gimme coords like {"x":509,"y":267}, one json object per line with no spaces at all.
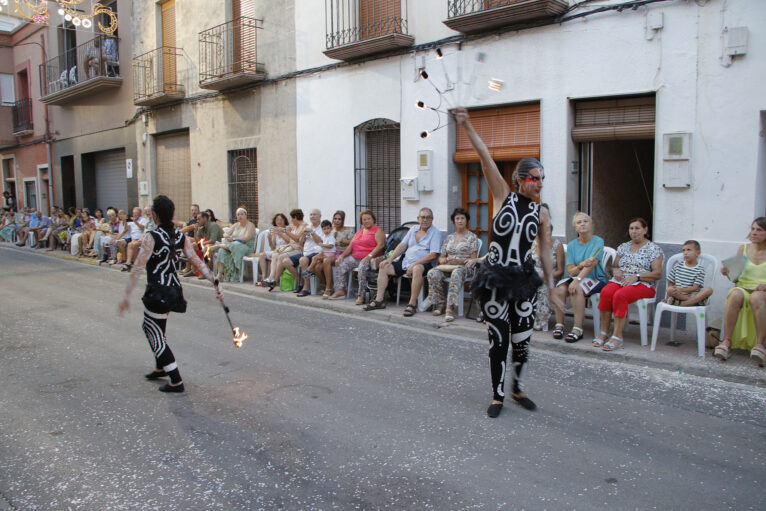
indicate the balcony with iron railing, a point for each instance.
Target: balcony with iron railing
{"x":22,"y":117}
{"x":357,"y":28}
{"x":228,"y":55}
{"x":156,"y":77}
{"x":80,"y":72}
{"x":470,"y":16}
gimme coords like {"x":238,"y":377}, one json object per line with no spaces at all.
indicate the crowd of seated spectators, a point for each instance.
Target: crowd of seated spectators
{"x":333,"y":254}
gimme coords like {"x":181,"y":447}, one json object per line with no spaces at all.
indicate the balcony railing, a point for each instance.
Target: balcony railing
{"x":470,"y":16}
{"x":228,"y":55}
{"x":81,"y":71}
{"x":155,"y":77}
{"x":356,"y":28}
{"x":22,"y":117}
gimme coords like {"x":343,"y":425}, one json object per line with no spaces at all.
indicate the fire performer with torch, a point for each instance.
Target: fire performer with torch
{"x":159,"y":255}
{"x":506,"y":281}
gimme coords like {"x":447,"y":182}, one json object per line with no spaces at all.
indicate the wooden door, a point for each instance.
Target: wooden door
{"x":169,"y":81}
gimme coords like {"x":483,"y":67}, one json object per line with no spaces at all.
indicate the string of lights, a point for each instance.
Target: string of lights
{"x":36,"y":11}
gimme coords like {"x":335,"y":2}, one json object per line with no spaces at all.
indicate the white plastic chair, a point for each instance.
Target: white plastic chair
{"x":699,"y":311}
{"x":595,"y":298}
{"x":259,"y":241}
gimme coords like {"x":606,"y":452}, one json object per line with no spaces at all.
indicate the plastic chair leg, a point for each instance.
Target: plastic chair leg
{"x":673,"y":318}
{"x":701,"y":317}
{"x":656,"y":326}
{"x":643,"y":323}
{"x":256,"y":270}
{"x":398,"y":289}
{"x":594,"y":301}
{"x":349,"y":284}
{"x":460,"y":302}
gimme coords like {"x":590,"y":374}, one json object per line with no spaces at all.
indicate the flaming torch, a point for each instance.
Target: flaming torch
{"x":239,"y":335}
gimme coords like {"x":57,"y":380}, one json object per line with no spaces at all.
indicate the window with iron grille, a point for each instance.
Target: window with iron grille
{"x":243,"y":183}
{"x":377,"y":172}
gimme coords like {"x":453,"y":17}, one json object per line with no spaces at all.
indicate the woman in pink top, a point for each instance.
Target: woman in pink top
{"x":367,"y":244}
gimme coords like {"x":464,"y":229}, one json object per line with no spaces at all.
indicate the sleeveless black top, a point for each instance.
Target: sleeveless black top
{"x":163,"y":263}
{"x":513,"y":231}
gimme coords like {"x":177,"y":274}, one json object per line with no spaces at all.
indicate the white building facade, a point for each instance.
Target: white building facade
{"x":653,"y":112}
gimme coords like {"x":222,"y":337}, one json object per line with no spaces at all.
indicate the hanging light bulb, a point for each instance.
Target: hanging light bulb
{"x":424,"y":134}
{"x":68,"y":17}
{"x":86,"y":23}
{"x":423,"y":74}
{"x":76,"y":22}
{"x":420,"y":105}
{"x":439,"y":53}
{"x":61,"y":12}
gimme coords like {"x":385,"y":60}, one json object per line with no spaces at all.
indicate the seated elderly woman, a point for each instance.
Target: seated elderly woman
{"x":8,"y":227}
{"x":277,"y":238}
{"x":236,"y":244}
{"x":79,"y":239}
{"x":58,"y":235}
{"x":636,"y":268}
{"x":745,"y":315}
{"x":294,"y":237}
{"x":458,"y":255}
{"x":366,"y":245}
{"x":585,"y":275}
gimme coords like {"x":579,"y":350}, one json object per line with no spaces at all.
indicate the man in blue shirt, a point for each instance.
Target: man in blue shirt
{"x":421,"y":246}
{"x":39,"y":230}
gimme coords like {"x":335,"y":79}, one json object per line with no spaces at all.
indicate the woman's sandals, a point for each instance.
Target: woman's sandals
{"x":722,"y":351}
{"x":572,"y":336}
{"x":558,"y":331}
{"x":598,"y":342}
{"x":610,"y":345}
{"x":758,"y":354}
{"x":374,"y":305}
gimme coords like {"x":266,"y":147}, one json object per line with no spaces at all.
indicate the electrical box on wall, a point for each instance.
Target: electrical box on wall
{"x":676,"y":165}
{"x":425,"y":179}
{"x":143,"y":188}
{"x":409,"y":188}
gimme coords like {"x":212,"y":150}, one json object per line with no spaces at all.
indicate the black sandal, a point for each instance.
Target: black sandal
{"x":374,"y":305}
{"x":573,"y":337}
{"x":410,"y":310}
{"x":558,"y":331}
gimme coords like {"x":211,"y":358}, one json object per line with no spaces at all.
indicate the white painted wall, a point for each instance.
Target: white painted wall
{"x":603,"y":55}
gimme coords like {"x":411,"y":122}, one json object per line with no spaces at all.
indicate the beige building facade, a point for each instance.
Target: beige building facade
{"x":217,"y":112}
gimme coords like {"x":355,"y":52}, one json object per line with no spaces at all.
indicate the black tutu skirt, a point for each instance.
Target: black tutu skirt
{"x":510,"y":282}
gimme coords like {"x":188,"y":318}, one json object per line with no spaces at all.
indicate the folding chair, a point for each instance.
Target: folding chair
{"x":261,"y":246}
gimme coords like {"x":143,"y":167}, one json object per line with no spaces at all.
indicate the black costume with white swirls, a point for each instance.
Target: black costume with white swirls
{"x":505,"y":285}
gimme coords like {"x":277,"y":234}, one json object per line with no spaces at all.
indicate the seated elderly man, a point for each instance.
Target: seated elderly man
{"x":130,"y":244}
{"x":421,"y":246}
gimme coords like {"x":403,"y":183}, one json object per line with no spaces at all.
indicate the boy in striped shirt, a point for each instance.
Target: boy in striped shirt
{"x":685,"y":280}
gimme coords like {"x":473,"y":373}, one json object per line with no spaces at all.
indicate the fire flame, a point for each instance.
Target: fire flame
{"x":205,"y":250}
{"x":239,"y":337}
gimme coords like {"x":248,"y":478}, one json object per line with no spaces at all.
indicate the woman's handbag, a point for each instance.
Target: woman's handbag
{"x":284,"y":249}
{"x":163,"y":299}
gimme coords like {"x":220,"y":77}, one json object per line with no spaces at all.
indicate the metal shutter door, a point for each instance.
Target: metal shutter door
{"x":111,"y":184}
{"x":174,"y":171}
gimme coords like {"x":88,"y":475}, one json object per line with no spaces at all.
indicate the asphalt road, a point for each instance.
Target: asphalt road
{"x":321,"y":410}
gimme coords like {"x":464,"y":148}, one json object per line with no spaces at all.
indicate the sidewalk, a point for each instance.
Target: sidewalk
{"x":681,"y":357}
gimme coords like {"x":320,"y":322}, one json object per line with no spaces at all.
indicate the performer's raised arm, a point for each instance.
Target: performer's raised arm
{"x":497,"y":185}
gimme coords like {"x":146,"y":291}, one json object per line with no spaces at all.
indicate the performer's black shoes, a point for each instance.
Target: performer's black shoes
{"x":494,"y":409}
{"x":525,"y":402}
{"x":172,"y":388}
{"x":155,"y":375}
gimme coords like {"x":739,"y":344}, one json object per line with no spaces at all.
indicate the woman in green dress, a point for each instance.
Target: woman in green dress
{"x":236,"y":244}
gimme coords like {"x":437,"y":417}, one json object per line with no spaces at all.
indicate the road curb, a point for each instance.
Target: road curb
{"x":739,"y":371}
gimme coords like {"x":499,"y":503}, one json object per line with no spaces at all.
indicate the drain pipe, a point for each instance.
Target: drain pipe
{"x":48,"y":153}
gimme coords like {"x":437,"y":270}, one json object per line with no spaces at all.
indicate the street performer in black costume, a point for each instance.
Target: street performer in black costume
{"x":506,"y":281}
{"x":159,"y":255}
